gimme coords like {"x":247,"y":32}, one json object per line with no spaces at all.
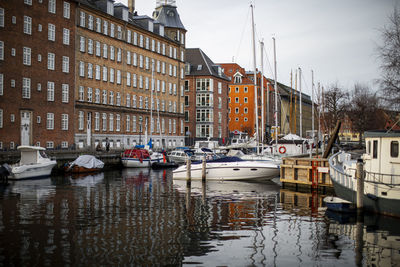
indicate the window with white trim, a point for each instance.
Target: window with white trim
{"x":105,"y":97}
{"x":49,"y":144}
{"x":81,"y":93}
{"x":140,"y":81}
{"x":119,"y":54}
{"x":105,"y":71}
{"x":111,"y":101}
{"x":90,"y":47}
{"x":105,"y":50}
{"x":134,"y":123}
{"x":51,"y":58}
{"x":90,"y":71}
{"x":50,"y":121}
{"x":98,"y":72}
{"x":65,"y":64}
{"x":111,"y":120}
{"x":118,"y":99}
{"x":118,"y":123}
{"x":128,"y":79}
{"x":27,"y":25}
{"x":50,"y":91}
{"x":98,"y":49}
{"x":112,"y":30}
{"x":64,"y":144}
{"x":51,"y":32}
{"x":67,"y":10}
{"x":135,"y":38}
{"x":134,"y":80}
{"x":119,"y":32}
{"x":1,"y":17}
{"x":104,"y":122}
{"x":98,"y":24}
{"x":135,"y":59}
{"x":26,"y":88}
{"x":112,"y":75}
{"x":52,"y":6}
{"x":82,"y":44}
{"x":66,"y":36}
{"x":134,"y":103}
{"x":112,"y":52}
{"x":1,"y":50}
{"x":118,"y":77}
{"x":64,"y":122}
{"x":82,"y":19}
{"x":90,"y":94}
{"x":128,"y":123}
{"x":105,"y":27}
{"x":1,"y":84}
{"x":129,"y":36}
{"x":96,"y":121}
{"x":97,"y":96}
{"x":27,"y":56}
{"x":65,"y":93}
{"x":128,"y":57}
{"x":81,"y":68}
{"x":81,"y":117}
{"x":90,"y":22}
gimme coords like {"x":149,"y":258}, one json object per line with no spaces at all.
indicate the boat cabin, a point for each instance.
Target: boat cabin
{"x":382,"y":153}
{"x":31,"y":154}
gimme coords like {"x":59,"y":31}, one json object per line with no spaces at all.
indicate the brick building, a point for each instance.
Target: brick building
{"x":242,"y":99}
{"x":37,"y":42}
{"x":206,"y":98}
{"x":129,"y":75}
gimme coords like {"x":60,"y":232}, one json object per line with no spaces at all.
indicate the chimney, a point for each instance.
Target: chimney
{"x":131,"y":5}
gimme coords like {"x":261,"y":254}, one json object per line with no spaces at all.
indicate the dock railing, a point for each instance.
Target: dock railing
{"x":311,"y":172}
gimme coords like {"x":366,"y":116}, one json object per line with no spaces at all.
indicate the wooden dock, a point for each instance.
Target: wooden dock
{"x":312,"y":173}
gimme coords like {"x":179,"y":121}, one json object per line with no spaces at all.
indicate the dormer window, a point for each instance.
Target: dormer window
{"x":219,"y":71}
{"x":187,"y":69}
{"x":161,"y":30}
{"x":237,"y":79}
{"x":199,"y":67}
{"x":110,"y":8}
{"x":151,"y":26}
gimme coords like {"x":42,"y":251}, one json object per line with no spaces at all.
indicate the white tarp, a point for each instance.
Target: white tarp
{"x":292,"y":137}
{"x":88,"y":161}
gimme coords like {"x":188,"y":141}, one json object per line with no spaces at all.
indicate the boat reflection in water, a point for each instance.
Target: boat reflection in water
{"x":142,"y":217}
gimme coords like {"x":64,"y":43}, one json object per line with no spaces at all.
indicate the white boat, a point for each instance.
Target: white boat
{"x":381,"y":173}
{"x":140,"y":158}
{"x":32,"y":163}
{"x":230,"y":168}
{"x":178,"y":155}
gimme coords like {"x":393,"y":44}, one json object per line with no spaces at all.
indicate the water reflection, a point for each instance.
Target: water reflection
{"x":144,"y":217}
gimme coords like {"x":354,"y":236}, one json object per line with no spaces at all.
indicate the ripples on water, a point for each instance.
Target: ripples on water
{"x":140,"y":217}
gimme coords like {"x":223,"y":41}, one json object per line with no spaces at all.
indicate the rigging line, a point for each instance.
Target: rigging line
{"x":266,"y":56}
{"x":242,"y":35}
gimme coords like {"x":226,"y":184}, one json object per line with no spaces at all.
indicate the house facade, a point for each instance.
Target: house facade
{"x":129,"y":76}
{"x":206,"y":98}
{"x":37,"y":55}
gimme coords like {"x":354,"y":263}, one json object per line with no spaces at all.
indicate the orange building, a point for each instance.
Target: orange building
{"x":242,"y":100}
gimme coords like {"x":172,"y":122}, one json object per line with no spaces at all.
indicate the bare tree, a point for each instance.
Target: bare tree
{"x":335,"y":101}
{"x":389,"y":53}
{"x":364,"y":111}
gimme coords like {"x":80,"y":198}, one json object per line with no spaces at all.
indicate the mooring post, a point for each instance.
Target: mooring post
{"x":203,"y":169}
{"x":360,"y":185}
{"x":188,"y":171}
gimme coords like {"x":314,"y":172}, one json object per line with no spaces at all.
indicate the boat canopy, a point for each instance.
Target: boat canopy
{"x":88,"y":161}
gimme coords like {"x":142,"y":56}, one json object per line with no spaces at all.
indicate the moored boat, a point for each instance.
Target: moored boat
{"x":139,"y":158}
{"x":381,"y":173}
{"x":84,"y":164}
{"x":33,"y":163}
{"x":230,"y":168}
{"x":339,"y":205}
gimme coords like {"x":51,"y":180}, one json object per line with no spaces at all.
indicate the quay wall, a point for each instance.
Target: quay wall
{"x":111,"y":159}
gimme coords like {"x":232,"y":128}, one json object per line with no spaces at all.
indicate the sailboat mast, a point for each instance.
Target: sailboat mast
{"x":291,"y":103}
{"x":276,"y":97}
{"x":301,"y":109}
{"x":262,"y":91}
{"x":312,"y":111}
{"x":295,"y":103}
{"x":255,"y":74}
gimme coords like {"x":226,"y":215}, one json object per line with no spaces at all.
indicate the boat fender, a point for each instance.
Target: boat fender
{"x":282,"y":149}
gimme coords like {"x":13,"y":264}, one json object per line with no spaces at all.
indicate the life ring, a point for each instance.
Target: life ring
{"x":282,"y":150}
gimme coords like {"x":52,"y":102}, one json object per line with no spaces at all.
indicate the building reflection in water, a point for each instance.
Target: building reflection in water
{"x":143,"y":217}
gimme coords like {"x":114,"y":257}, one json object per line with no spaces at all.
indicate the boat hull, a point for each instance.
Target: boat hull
{"x":32,"y":171}
{"x":345,"y":186}
{"x":137,"y":163}
{"x":230,"y":171}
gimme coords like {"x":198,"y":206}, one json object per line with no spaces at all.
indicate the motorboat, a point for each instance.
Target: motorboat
{"x":84,"y":164}
{"x":140,"y":158}
{"x":381,"y":164}
{"x":199,"y":154}
{"x":230,"y":168}
{"x":179,"y":156}
{"x":33,"y":163}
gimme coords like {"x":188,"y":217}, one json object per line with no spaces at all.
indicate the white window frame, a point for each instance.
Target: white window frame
{"x":26,"y":88}
{"x":64,"y":122}
{"x":66,"y":34}
{"x":65,"y":93}
{"x":51,"y":32}
{"x":27,"y":25}
{"x":67,"y":10}
{"x":26,"y":56}
{"x":50,"y":91}
{"x":65,"y":64}
{"x":50,"y":121}
{"x":52,"y":6}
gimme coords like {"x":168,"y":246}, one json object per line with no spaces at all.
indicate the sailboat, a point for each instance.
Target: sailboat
{"x":142,"y":156}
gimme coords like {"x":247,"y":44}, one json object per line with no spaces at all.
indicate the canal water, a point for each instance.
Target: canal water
{"x":141,"y":217}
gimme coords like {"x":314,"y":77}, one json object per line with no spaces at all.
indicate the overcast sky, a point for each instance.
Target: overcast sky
{"x":334,"y":38}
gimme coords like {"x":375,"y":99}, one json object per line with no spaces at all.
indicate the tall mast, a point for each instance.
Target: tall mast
{"x":312,"y":111}
{"x":301,"y":109}
{"x":291,"y":103}
{"x":295,"y":103}
{"x":276,"y":97}
{"x":262,"y":91}
{"x":255,"y":74}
